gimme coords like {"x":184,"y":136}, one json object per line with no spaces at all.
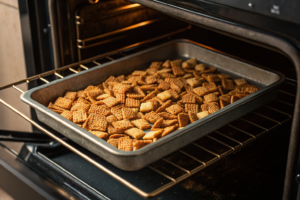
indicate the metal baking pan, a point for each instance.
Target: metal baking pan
{"x":39,"y":98}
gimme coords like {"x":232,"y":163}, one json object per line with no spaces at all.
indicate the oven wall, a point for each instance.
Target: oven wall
{"x":12,"y":66}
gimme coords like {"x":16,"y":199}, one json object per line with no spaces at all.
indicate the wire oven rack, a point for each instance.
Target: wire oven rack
{"x":217,"y":145}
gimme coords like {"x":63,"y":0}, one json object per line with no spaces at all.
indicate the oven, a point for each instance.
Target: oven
{"x":254,"y":157}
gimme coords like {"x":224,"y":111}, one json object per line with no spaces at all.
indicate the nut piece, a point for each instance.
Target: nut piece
{"x":203,"y":114}
{"x":135,"y":133}
{"x":152,"y":134}
{"x":147,"y":107}
{"x":164,"y":95}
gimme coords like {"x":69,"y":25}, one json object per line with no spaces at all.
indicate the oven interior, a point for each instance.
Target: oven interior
{"x":86,"y":34}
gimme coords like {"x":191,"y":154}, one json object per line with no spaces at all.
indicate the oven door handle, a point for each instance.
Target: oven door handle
{"x":15,"y":136}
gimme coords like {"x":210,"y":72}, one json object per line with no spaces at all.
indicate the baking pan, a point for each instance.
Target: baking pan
{"x":39,"y":98}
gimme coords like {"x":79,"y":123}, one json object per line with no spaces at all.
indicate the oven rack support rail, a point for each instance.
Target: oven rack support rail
{"x":215,"y":136}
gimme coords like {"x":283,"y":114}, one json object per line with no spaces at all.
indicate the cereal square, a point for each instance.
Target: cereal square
{"x":121,"y":88}
{"x":240,"y":81}
{"x":174,"y":109}
{"x":79,"y":116}
{"x":152,"y":134}
{"x":141,"y":124}
{"x":167,"y":115}
{"x":168,"y":130}
{"x":128,"y":113}
{"x":158,"y":123}
{"x":111,"y":130}
{"x":191,"y":108}
{"x":70,"y":95}
{"x":228,"y":84}
{"x":169,"y":122}
{"x":193,"y":117}
{"x":125,"y":144}
{"x":132,"y":103}
{"x":139,"y":73}
{"x":63,"y":103}
{"x":68,"y":115}
{"x":222,"y":90}
{"x":135,"y":133}
{"x":111,"y":101}
{"x":101,"y":110}
{"x":203,"y":114}
{"x":97,"y":122}
{"x":188,"y":98}
{"x":201,"y":91}
{"x":152,"y":117}
{"x":99,"y":134}
{"x":211,"y":87}
{"x":164,"y":106}
{"x":120,"y":97}
{"x":183,"y":119}
{"x":210,"y":98}
{"x":156,"y":65}
{"x":122,"y":125}
{"x":147,"y":107}
{"x":164,"y":95}
{"x":211,"y":77}
{"x":223,"y":103}
{"x":164,"y":85}
{"x":174,"y":94}
{"x":111,"y":118}
{"x":113,"y":142}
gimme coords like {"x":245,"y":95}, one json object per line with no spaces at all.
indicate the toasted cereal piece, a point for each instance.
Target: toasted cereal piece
{"x":120,"y":78}
{"x":132,"y":103}
{"x":167,"y":123}
{"x":111,"y":130}
{"x":204,"y":107}
{"x":167,"y":115}
{"x":164,"y":106}
{"x":199,"y":100}
{"x":188,"y":98}
{"x":203,"y":114}
{"x":224,"y":76}
{"x":225,"y":97}
{"x":101,"y":110}
{"x":152,"y":117}
{"x":158,"y":123}
{"x":192,"y":61}
{"x":99,"y":134}
{"x":174,"y":109}
{"x":168,"y":130}
{"x":187,"y":76}
{"x":167,"y":64}
{"x":193,"y":82}
{"x":125,"y":144}
{"x":138,"y":90}
{"x":68,"y":115}
{"x":152,"y":134}
{"x":223,"y":103}
{"x":122,"y":125}
{"x":246,"y":89}
{"x":176,"y":62}
{"x":210,"y":86}
{"x":141,"y":124}
{"x":70,"y":95}
{"x":54,"y":107}
{"x":151,"y":71}
{"x":235,"y":98}
{"x":57,"y":111}
{"x":117,"y":111}
{"x":156,"y":65}
{"x":147,"y":107}
{"x":228,"y":84}
{"x":180,"y":82}
{"x":149,"y":87}
{"x":139,"y":73}
{"x":222,"y":90}
{"x":233,"y":92}
{"x":183,"y":119}
{"x":128,"y":113}
{"x":121,"y":88}
{"x":63,"y":103}
{"x":177,"y":71}
{"x":134,"y":96}
{"x":164,"y":95}
{"x":164,"y":85}
{"x":201,"y":91}
{"x":174,"y":95}
{"x":135,"y":133}
{"x":149,"y":96}
{"x":132,"y":80}
{"x":175,"y":88}
{"x":111,"y":118}
{"x":80,"y":93}
{"x":187,"y":65}
{"x":151,"y":79}
{"x":111,"y":101}
{"x":114,"y":142}
{"x":120,"y":97}
{"x":140,"y":115}
{"x":110,"y":79}
{"x":210,"y":98}
{"x":164,"y":70}
{"x":191,"y":108}
{"x":200,"y":67}
{"x":103,"y":96}
{"x":188,"y":88}
{"x":97,"y":122}
{"x":213,"y":107}
{"x":92,"y":91}
{"x":136,"y":110}
{"x":240,"y":81}
{"x":140,"y":143}
{"x":193,"y":117}
{"x":79,"y":116}
{"x":167,"y":75}
{"x":117,"y":136}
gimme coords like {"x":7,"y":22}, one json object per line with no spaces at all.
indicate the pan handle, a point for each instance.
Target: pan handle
{"x":15,"y":136}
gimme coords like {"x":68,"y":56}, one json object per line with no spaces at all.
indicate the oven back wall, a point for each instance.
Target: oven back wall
{"x":12,"y":66}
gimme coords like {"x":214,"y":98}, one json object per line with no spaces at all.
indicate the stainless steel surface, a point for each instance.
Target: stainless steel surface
{"x":40,"y":97}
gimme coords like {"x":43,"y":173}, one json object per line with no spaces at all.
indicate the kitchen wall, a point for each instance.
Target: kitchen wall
{"x":12,"y":66}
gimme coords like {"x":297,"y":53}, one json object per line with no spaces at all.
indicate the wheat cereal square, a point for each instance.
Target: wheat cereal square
{"x":204,"y":107}
{"x":57,"y":111}
{"x":164,"y":106}
{"x":103,"y":96}
{"x":97,"y":122}
{"x":101,"y":110}
{"x":213,"y":107}
{"x":188,"y":88}
{"x":56,"y":108}
{"x":174,"y":94}
{"x":152,"y":117}
{"x":68,"y":115}
{"x":175,"y":88}
{"x":168,"y":130}
{"x":116,"y":136}
{"x":191,"y":108}
{"x":224,"y":76}
{"x":110,"y":79}
{"x":125,"y":144}
{"x":132,"y":103}
{"x":167,"y":75}
{"x":167,"y":64}
{"x":224,"y":103}
{"x":111,"y":130}
{"x":147,"y":107}
{"x":193,"y":117}
{"x":183,"y":119}
{"x":156,"y":65}
{"x":164,"y":70}
{"x":80,"y":93}
{"x":138,"y":90}
{"x":99,"y":134}
{"x":122,"y":125}
{"x":121,"y":88}
{"x":158,"y":123}
{"x":210,"y":98}
{"x":167,"y":115}
{"x":169,"y":122}
{"x":211,"y":86}
{"x":151,"y":71}
{"x":211,"y":77}
{"x":240,"y":81}
{"x":152,"y":134}
{"x":200,"y":67}
{"x":187,"y":76}
{"x":128,"y":113}
{"x":120,"y":97}
{"x":149,"y":87}
{"x":246,"y":89}
{"x":228,"y":84}
{"x":193,"y":82}
{"x":203,"y":114}
{"x":92,"y":91}
{"x":111,"y":118}
{"x":201,"y":91}
{"x":177,"y":71}
{"x":164,"y":85}
{"x":149,"y":96}
{"x":135,"y":133}
{"x":225,"y":97}
{"x":63,"y":103}
{"x":141,"y":124}
{"x":71,"y":95}
{"x":139,"y":73}
{"x":140,"y":115}
{"x":114,"y":142}
{"x":120,"y":78}
{"x":235,"y":98}
{"x":174,"y":109}
{"x":188,"y":98}
{"x":150,"y":79}
{"x":222,"y":90}
{"x":134,"y":96}
{"x":141,"y":143}
{"x":111,"y":101}
{"x":79,"y":116}
{"x":164,"y":95}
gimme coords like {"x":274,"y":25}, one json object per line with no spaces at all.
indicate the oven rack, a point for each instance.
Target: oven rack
{"x":228,"y":138}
